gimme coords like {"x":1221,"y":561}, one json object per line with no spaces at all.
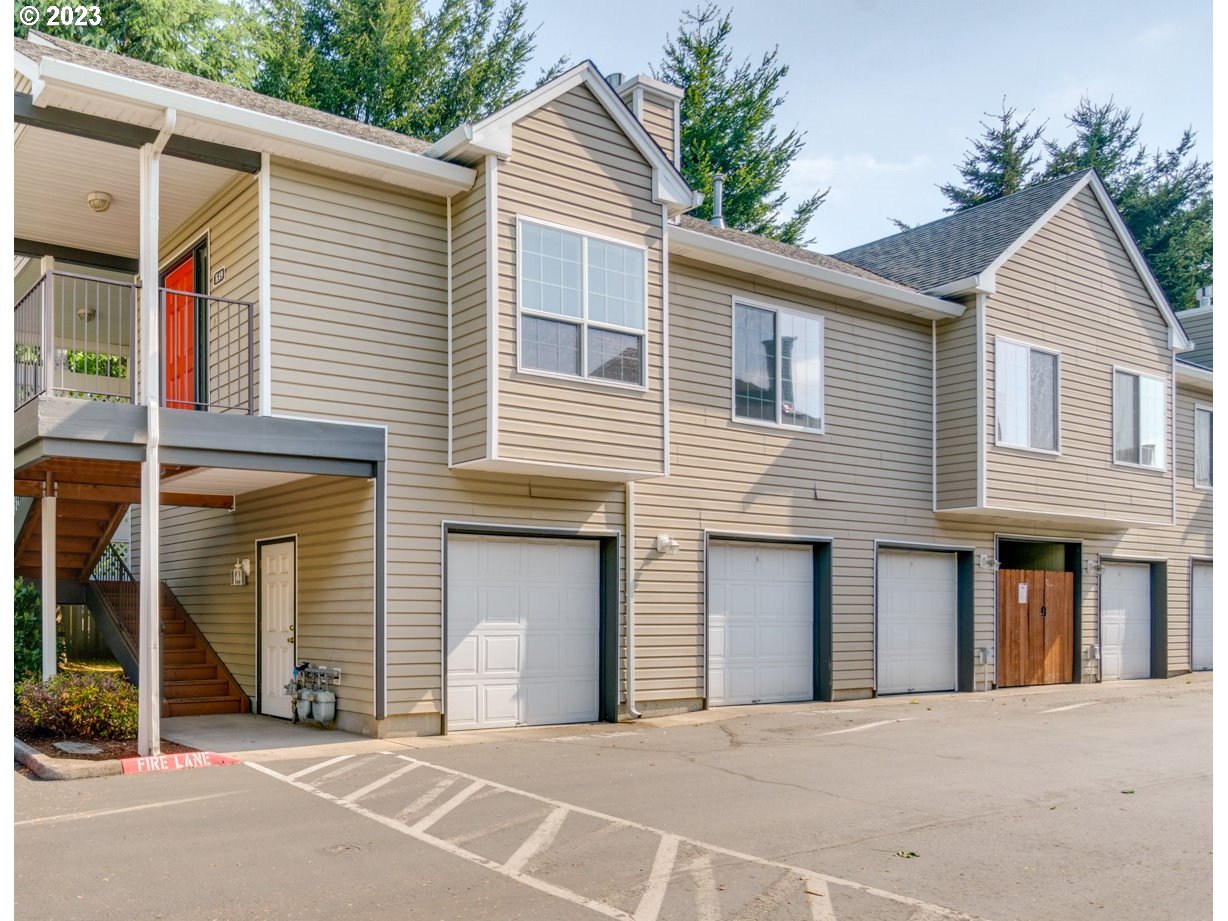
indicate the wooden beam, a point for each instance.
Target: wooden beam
{"x":28,"y":530}
{"x":100,"y":547}
{"x":33,"y":488}
{"x":83,"y":492}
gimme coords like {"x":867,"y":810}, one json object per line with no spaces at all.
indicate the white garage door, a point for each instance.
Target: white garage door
{"x":1200,"y":588}
{"x":523,"y":618}
{"x":1125,"y":621}
{"x":760,"y":623}
{"x":918,"y":605}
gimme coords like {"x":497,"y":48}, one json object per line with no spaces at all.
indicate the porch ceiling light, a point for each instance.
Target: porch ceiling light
{"x":98,"y":201}
{"x":86,"y":314}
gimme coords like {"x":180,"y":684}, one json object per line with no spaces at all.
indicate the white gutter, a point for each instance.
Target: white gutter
{"x":727,"y":254}
{"x":1192,"y":374}
{"x":276,"y":132}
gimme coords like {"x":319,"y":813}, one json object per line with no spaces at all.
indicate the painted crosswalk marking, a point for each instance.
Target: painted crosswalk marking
{"x":376,"y":784}
{"x":791,"y":883}
{"x":319,"y":767}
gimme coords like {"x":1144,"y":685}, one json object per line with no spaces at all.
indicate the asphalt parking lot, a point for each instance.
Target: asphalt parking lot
{"x":1071,"y":802}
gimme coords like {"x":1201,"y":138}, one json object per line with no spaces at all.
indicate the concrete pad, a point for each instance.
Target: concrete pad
{"x":264,"y":738}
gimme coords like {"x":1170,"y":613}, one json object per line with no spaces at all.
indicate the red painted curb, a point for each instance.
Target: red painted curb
{"x":175,"y":762}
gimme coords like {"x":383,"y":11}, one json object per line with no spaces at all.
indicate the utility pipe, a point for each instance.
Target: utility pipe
{"x":631,"y":580}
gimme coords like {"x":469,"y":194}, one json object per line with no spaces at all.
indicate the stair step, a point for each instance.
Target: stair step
{"x":176,"y":641}
{"x":206,"y":672}
{"x":173,"y":627}
{"x":179,"y":690}
{"x":195,"y":656}
{"x":201,"y":706}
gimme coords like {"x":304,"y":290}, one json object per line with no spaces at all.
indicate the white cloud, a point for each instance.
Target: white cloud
{"x":847,"y":169}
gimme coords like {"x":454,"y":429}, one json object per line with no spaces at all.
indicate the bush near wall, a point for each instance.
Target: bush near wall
{"x":77,"y":705}
{"x":27,"y":631}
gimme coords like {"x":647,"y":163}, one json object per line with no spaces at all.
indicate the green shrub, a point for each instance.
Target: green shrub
{"x":27,"y":631}
{"x":80,"y":705}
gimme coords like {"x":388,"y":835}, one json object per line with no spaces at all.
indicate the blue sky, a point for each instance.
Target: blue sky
{"x":888,"y":91}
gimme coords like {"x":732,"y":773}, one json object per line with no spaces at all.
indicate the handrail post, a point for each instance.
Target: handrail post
{"x":251,"y":359}
{"x":47,"y":339}
{"x":132,"y":344}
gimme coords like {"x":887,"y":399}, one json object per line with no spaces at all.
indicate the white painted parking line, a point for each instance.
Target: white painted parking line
{"x":1087,"y":703}
{"x":818,"y":897}
{"x":319,"y":767}
{"x":538,"y":841}
{"x":440,"y":811}
{"x":376,"y":784}
{"x":707,"y":896}
{"x":662,"y":872}
{"x":74,"y":816}
{"x":658,"y":879}
{"x":426,"y":798}
{"x":836,"y":732}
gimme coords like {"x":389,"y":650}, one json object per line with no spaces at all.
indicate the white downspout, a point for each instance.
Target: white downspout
{"x":149,"y":655}
{"x":631,"y":580}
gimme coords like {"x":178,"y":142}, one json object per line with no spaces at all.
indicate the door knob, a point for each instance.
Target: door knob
{"x":290,"y":639}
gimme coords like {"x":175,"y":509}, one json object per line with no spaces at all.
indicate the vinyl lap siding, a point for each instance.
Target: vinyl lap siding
{"x":1073,"y":288}
{"x":574,"y":167}
{"x":334,"y":522}
{"x":658,"y":118}
{"x":870,"y":472}
{"x":956,"y":453}
{"x":469,"y":323}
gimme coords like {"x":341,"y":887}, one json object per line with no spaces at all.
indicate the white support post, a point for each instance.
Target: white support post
{"x":49,"y":594}
{"x":47,"y":345}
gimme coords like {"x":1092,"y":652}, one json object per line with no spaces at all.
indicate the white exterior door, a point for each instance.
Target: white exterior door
{"x":1125,"y":621}
{"x":278,"y":598}
{"x":1200,"y":601}
{"x":918,"y":606}
{"x":760,"y":623}
{"x":523,"y":632}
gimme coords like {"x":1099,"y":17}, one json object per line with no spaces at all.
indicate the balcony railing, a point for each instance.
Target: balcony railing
{"x":88,"y":327}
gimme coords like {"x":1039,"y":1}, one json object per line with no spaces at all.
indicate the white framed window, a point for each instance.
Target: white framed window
{"x":1204,"y":456}
{"x":1027,"y":396}
{"x":777,"y":366}
{"x":1139,"y":419}
{"x":582,"y":305}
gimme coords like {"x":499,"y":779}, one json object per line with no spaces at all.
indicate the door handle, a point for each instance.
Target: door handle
{"x":290,"y":639}
{"x":1043,"y":611}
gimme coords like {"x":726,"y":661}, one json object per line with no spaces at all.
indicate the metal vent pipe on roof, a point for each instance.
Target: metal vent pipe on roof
{"x":615,"y":79}
{"x":718,"y":200}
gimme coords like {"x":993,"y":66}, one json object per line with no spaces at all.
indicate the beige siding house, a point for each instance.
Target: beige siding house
{"x":494,"y":433}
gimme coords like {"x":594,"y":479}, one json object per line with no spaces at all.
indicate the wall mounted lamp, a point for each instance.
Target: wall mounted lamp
{"x":238,"y":575}
{"x":667,"y":545}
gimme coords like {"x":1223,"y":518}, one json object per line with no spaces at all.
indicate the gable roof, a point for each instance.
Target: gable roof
{"x":963,"y":244}
{"x":493,"y":134}
{"x":962,"y":253}
{"x":1199,"y":326}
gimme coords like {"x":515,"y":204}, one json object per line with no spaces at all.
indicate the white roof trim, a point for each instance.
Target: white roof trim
{"x":763,"y":264}
{"x":986,"y":281}
{"x":1192,"y":374}
{"x":271,"y":133}
{"x":651,"y":86}
{"x":493,"y":134}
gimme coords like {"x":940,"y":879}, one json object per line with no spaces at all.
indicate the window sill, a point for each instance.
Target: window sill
{"x":1142,"y":467}
{"x":1024,"y":449}
{"x":780,"y":427}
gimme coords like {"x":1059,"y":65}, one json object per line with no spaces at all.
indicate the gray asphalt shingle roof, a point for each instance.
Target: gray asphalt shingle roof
{"x":961,"y":245}
{"x":209,"y":89}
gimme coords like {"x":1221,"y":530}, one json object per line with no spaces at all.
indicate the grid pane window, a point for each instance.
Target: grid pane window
{"x":1139,"y":414}
{"x":778,"y":367}
{"x":596,"y":290}
{"x":1203,"y":451}
{"x":1026,"y":396}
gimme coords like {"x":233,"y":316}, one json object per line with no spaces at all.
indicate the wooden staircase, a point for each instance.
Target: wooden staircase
{"x":83,"y":531}
{"x":195,"y":681}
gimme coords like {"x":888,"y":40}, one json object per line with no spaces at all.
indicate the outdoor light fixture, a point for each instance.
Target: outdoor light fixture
{"x":667,"y":545}
{"x":98,"y":201}
{"x":243,"y":569}
{"x":1091,"y":565}
{"x":985,"y":561}
{"x":86,"y":314}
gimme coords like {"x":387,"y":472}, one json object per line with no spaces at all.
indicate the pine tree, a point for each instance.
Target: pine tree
{"x":396,"y":64}
{"x":728,"y":112}
{"x":1000,"y":163}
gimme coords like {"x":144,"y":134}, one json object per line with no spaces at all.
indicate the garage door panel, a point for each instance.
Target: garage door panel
{"x":1125,"y":621}
{"x":524,"y":645}
{"x":760,"y":623}
{"x":1202,"y":628}
{"x":917,"y":621}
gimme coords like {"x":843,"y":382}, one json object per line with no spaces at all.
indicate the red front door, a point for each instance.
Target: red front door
{"x":180,"y":343}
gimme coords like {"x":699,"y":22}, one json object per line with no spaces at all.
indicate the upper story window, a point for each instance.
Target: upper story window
{"x":1138,"y":419}
{"x":777,"y":367}
{"x":582,"y":305}
{"x":1027,"y":397}
{"x":1203,"y":451}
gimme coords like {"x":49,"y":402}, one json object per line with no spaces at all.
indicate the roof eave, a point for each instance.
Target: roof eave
{"x":727,"y":254}
{"x":270,"y":133}
{"x":983,"y":283}
{"x":1193,"y":374}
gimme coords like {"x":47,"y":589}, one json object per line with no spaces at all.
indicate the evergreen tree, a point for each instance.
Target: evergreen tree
{"x":1000,"y":163}
{"x":395,"y":64}
{"x":216,"y":39}
{"x":1165,"y":199}
{"x":727,"y":127}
